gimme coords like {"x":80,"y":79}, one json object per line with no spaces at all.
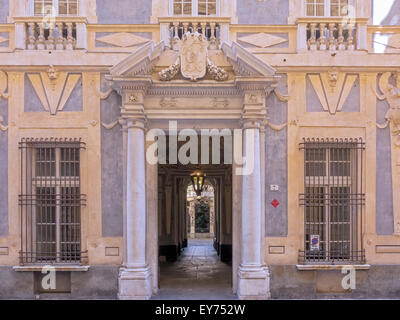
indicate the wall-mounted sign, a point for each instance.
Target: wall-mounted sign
{"x":314,"y":242}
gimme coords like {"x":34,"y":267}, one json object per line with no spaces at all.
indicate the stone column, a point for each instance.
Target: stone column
{"x":253,"y":281}
{"x":134,"y":277}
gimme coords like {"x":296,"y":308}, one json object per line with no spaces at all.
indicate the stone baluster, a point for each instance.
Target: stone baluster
{"x":332,"y":44}
{"x":60,"y":36}
{"x":70,"y":38}
{"x":341,"y":45}
{"x":203,"y":26}
{"x":313,"y":40}
{"x":350,"y":38}
{"x":322,"y":38}
{"x":41,"y":43}
{"x":213,"y":39}
{"x":185,"y":27}
{"x":50,"y":40}
{"x":31,"y":37}
{"x":176,"y":40}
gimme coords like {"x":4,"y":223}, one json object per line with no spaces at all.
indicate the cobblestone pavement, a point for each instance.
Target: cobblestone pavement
{"x":197,"y":275}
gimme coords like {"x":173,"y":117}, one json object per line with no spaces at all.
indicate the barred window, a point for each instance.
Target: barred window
{"x":50,"y":201}
{"x":55,"y":7}
{"x":322,"y":8}
{"x":333,"y":200}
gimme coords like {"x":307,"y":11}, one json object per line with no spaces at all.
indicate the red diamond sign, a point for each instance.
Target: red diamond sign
{"x":275,"y":203}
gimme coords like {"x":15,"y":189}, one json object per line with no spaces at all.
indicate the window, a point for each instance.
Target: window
{"x":50,"y":201}
{"x":55,"y":7}
{"x":195,"y":7}
{"x":327,"y":8}
{"x":333,"y":201}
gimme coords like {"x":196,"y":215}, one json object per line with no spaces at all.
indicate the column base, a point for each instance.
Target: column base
{"x":134,"y":284}
{"x":253,"y":283}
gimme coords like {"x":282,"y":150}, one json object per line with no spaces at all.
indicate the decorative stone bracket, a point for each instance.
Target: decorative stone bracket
{"x":111,"y":125}
{"x":3,"y":85}
{"x":2,"y":127}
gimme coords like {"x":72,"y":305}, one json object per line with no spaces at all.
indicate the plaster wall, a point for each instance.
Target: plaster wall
{"x":123,"y":12}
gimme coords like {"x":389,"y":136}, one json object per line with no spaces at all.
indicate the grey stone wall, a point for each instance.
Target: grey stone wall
{"x":75,"y":100}
{"x":4,"y":171}
{"x":263,"y":12}
{"x":111,"y":168}
{"x":276,"y":220}
{"x":99,"y":282}
{"x":352,"y":103}
{"x":378,"y":282}
{"x":31,"y":100}
{"x":4,"y":7}
{"x":123,"y":11}
{"x":384,"y":195}
{"x":313,"y":103}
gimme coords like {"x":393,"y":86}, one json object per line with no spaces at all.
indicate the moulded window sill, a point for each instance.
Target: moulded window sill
{"x":57,"y":268}
{"x":313,"y":267}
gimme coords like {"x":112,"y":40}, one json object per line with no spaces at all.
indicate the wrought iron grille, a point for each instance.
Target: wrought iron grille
{"x":50,"y":201}
{"x":333,"y":201}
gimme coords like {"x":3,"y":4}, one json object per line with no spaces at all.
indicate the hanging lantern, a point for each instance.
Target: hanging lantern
{"x":198,"y":181}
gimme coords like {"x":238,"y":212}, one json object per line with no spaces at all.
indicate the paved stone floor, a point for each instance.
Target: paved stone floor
{"x":197,"y":275}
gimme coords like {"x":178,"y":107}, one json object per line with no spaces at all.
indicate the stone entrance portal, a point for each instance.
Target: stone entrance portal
{"x":232,"y":95}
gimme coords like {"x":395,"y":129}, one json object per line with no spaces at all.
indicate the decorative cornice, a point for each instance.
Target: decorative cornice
{"x":245,"y":63}
{"x":141,"y":62}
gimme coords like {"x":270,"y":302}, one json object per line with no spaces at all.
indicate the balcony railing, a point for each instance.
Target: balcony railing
{"x":332,"y":34}
{"x":58,"y":36}
{"x":215,"y":29}
{"x":61,"y":33}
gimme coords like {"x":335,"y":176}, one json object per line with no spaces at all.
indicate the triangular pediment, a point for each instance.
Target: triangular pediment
{"x":142,"y":61}
{"x":245,"y":63}
{"x":139,"y":63}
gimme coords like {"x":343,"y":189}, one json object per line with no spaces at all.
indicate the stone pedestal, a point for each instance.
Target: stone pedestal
{"x":134,"y":284}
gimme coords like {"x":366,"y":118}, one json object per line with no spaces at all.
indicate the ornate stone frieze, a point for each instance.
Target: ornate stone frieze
{"x":332,"y":89}
{"x":53,"y":88}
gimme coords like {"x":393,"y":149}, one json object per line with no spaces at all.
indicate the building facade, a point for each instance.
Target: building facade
{"x":308,"y":91}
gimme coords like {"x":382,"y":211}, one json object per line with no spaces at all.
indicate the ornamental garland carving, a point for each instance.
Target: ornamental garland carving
{"x":391,"y":94}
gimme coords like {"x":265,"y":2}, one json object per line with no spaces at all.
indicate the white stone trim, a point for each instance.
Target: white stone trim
{"x":58,"y":268}
{"x":314,"y":267}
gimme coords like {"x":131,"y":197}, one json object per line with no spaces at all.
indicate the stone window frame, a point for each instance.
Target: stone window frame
{"x":195,"y":7}
{"x":56,"y":3}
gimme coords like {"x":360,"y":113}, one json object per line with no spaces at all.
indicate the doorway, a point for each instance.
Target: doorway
{"x":195,"y":233}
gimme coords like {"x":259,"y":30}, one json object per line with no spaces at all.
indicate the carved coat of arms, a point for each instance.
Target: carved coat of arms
{"x":194,"y":56}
